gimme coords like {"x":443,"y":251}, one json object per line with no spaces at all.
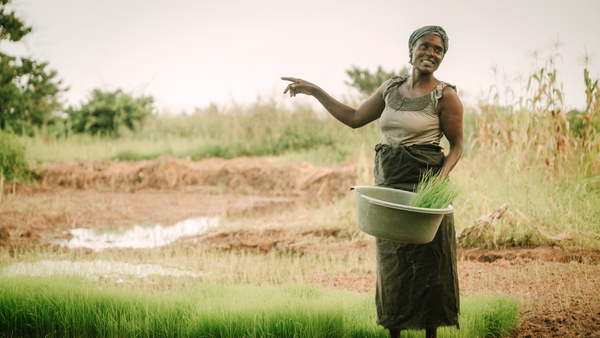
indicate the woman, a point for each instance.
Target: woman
{"x":417,"y":284}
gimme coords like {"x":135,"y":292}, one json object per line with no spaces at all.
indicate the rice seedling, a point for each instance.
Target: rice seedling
{"x":73,"y":307}
{"x":434,"y":192}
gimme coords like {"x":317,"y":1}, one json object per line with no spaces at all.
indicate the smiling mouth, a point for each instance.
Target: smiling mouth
{"x":428,"y":62}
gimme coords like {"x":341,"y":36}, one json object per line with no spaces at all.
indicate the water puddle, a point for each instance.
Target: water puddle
{"x":140,"y":237}
{"x":91,"y":269}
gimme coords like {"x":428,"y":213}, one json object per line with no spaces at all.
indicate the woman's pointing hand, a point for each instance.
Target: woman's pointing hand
{"x":298,"y":86}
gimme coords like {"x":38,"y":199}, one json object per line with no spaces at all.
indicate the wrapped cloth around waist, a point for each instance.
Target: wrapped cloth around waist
{"x":402,"y":167}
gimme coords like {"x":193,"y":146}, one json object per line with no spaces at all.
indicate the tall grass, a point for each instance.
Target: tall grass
{"x":569,"y":204}
{"x":538,"y":127}
{"x":539,"y":156}
{"x":71,"y":307}
{"x":265,"y":128}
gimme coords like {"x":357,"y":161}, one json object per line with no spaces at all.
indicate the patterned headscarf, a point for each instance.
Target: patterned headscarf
{"x":437,"y":30}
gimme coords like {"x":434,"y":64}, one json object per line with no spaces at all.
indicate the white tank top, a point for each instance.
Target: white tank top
{"x":407,"y":121}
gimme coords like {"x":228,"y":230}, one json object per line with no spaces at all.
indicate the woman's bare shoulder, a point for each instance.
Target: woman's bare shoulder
{"x":449,"y":98}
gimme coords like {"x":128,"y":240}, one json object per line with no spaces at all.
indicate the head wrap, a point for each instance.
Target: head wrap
{"x":437,"y":30}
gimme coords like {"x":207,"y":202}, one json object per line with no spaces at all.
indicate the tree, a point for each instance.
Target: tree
{"x":28,"y":89}
{"x":107,"y":112}
{"x":11,"y":27}
{"x":366,"y":82}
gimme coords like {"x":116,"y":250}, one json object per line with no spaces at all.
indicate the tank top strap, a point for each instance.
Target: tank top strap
{"x":394,"y":83}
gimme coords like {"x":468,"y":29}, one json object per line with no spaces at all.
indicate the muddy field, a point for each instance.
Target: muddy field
{"x":268,"y":208}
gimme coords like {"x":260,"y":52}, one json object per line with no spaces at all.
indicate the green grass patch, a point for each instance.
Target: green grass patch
{"x":73,"y":307}
{"x":131,"y":155}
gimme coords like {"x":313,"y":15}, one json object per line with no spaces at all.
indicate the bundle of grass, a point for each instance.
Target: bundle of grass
{"x":434,"y":192}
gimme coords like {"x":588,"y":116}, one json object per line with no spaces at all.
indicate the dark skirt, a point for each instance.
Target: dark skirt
{"x":417,"y":284}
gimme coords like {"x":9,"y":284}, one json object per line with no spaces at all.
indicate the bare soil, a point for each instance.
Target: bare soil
{"x":559,"y":289}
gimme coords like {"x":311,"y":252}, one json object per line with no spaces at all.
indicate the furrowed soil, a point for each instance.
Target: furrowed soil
{"x":269,"y":208}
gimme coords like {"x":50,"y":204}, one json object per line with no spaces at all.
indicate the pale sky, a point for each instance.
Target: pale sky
{"x":190,"y":53}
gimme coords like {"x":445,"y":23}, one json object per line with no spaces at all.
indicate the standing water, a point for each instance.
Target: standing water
{"x":136,"y":237}
{"x":140,"y":237}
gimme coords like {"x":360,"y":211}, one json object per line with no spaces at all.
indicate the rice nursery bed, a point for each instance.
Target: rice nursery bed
{"x":77,"y":307}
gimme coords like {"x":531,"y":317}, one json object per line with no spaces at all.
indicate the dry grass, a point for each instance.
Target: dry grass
{"x":213,"y":176}
{"x":538,"y":127}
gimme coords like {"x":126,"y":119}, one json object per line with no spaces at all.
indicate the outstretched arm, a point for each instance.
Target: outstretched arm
{"x":451,"y":119}
{"x":367,"y":112}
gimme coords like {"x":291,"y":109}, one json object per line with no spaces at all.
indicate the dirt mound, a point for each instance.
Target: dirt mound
{"x":561,"y":323}
{"x":240,"y":175}
{"x":283,"y":240}
{"x":543,"y":253}
{"x":341,"y":241}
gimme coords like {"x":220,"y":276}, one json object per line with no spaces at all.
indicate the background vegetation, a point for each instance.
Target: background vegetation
{"x":13,"y":160}
{"x":367,"y":82}
{"x":536,"y":155}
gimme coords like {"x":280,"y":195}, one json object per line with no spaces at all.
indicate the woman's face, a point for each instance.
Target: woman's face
{"x":427,"y":53}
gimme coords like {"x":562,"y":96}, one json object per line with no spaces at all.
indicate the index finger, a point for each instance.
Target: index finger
{"x":293,"y":79}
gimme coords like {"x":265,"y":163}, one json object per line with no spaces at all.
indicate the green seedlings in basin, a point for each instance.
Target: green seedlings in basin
{"x":434,"y":192}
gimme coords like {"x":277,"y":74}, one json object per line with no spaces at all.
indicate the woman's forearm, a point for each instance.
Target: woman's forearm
{"x":342,"y":112}
{"x":451,"y":160}
{"x":367,"y":112}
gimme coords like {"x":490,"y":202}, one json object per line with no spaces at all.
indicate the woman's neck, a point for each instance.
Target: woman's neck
{"x":419,"y":79}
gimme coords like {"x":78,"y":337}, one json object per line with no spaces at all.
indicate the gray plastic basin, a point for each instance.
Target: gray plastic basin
{"x":386,"y":213}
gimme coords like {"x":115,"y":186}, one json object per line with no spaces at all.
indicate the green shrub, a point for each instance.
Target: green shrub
{"x":107,"y":112}
{"x":366,"y":82}
{"x":13,"y":159}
